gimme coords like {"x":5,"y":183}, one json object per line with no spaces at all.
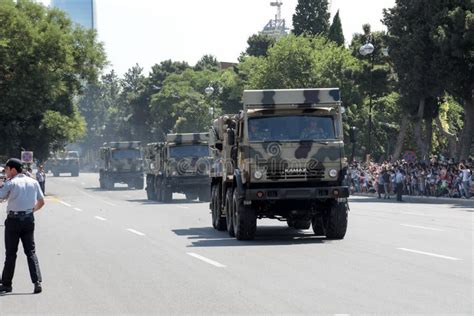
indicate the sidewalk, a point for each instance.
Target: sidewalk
{"x":423,"y":199}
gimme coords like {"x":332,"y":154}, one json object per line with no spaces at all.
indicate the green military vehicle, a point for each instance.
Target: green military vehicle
{"x":180,"y":165}
{"x":282,"y":158}
{"x":121,"y":162}
{"x":63,"y":162}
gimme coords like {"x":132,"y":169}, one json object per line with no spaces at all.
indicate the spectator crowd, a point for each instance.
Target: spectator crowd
{"x":438,"y":177}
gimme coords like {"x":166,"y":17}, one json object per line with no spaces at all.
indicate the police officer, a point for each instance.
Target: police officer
{"x":24,"y":198}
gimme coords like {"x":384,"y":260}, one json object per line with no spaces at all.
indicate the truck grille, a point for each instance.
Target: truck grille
{"x":284,"y":171}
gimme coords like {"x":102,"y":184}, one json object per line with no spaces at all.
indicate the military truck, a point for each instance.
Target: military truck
{"x":121,"y":162}
{"x":179,"y":165}
{"x":281,"y":157}
{"x":63,"y":162}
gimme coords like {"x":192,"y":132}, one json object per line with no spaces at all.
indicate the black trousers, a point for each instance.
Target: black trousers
{"x":399,"y":191}
{"x":16,"y":229}
{"x":42,"y":186}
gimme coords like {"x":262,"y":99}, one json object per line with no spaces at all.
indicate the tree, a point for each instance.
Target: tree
{"x":454,"y":38}
{"x":311,"y":17}
{"x":44,"y":62}
{"x":413,"y":53}
{"x":208,"y":62}
{"x":259,"y":45}
{"x":335,"y":31}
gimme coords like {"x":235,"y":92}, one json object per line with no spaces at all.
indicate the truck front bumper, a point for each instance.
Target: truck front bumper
{"x":304,"y":193}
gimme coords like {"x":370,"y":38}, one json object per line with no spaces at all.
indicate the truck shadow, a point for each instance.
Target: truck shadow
{"x":174,"y":202}
{"x":265,"y":236}
{"x":96,"y":189}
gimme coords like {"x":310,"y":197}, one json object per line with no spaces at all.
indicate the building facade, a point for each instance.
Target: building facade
{"x":82,"y":12}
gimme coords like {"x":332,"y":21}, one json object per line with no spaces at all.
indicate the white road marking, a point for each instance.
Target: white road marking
{"x":422,"y":227}
{"x":77,"y":209}
{"x":64,"y":203}
{"x":100,"y":218}
{"x":135,"y":232}
{"x":95,"y":198}
{"x":429,"y":254}
{"x":411,"y":213}
{"x":211,"y":262}
{"x":180,"y":206}
{"x":82,"y":183}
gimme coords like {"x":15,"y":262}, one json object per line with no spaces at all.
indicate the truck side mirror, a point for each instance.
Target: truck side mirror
{"x":230,"y":137}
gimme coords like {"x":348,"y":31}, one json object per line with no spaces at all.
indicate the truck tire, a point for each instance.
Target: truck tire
{"x":290,"y":222}
{"x":101,"y":184}
{"x":319,"y":227}
{"x":218,"y":221}
{"x":337,"y":221}
{"x":139,"y":184}
{"x":302,"y":224}
{"x":109,"y":184}
{"x":75,"y":173}
{"x":55,"y":174}
{"x":191,"y":196}
{"x":204,"y":195}
{"x":230,"y":211}
{"x":166,"y":194}
{"x":244,"y":219}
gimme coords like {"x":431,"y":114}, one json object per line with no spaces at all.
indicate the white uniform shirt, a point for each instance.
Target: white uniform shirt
{"x":22,"y":193}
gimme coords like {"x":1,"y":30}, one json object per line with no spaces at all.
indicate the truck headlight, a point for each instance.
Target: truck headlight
{"x":114,"y":169}
{"x":258,"y":175}
{"x":174,"y":173}
{"x":333,"y":173}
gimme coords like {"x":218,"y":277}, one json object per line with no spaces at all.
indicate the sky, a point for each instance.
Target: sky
{"x":149,"y":31}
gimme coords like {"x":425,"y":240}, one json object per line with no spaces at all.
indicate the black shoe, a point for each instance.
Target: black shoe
{"x":5,"y":289}
{"x":38,"y":288}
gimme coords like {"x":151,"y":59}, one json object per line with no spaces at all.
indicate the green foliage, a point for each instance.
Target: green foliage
{"x":207,"y":62}
{"x":311,"y":17}
{"x":62,"y":129}
{"x":259,"y":45}
{"x":44,"y":62}
{"x":335,"y":33}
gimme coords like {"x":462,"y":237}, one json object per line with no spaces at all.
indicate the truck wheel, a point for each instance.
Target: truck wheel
{"x":55,"y":174}
{"x":110,"y":185}
{"x":319,"y":227}
{"x":204,"y":195}
{"x":139,"y":184}
{"x":337,"y":221}
{"x":75,"y":173}
{"x":101,"y":184}
{"x":244,"y":219}
{"x":166,"y":194}
{"x":150,"y":193}
{"x":302,"y":224}
{"x":191,"y":196}
{"x":229,"y":211}
{"x":290,"y":222}
{"x":218,"y":222}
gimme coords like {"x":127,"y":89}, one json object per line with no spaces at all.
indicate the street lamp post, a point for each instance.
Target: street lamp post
{"x":210,"y":91}
{"x":368,"y":49}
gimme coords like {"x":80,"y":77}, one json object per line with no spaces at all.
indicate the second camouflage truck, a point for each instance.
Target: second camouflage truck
{"x":282,"y":157}
{"x":180,"y":165}
{"x":121,"y":162}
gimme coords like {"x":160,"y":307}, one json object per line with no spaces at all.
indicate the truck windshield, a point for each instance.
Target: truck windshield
{"x":189,"y":151}
{"x":291,"y":128}
{"x":72,"y":154}
{"x":126,"y":154}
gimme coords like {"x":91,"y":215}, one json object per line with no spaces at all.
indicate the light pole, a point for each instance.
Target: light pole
{"x":210,"y":91}
{"x":364,"y":50}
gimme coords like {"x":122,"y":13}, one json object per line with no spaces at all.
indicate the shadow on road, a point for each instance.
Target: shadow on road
{"x":174,"y":202}
{"x":95,"y":189}
{"x":462,"y":205}
{"x":266,"y":236}
{"x":15,"y":294}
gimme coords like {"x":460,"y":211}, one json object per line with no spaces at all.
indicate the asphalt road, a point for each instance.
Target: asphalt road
{"x":113,"y":252}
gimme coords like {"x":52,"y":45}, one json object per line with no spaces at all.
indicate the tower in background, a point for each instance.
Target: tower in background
{"x":82,"y":12}
{"x":277,"y":27}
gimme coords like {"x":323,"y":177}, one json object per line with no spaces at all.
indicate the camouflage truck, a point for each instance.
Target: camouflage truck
{"x":63,"y":162}
{"x":282,"y":158}
{"x":121,"y":162}
{"x":180,"y":165}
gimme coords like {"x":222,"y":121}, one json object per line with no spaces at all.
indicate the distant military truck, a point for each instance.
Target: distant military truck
{"x":282,"y":158}
{"x":121,"y":162}
{"x":180,"y":165}
{"x":63,"y":162}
